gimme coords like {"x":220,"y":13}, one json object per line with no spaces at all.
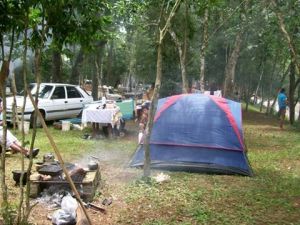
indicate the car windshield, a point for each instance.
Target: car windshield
{"x":44,"y":92}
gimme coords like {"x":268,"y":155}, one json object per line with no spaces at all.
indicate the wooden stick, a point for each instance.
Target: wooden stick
{"x":54,"y":182}
{"x":81,"y":220}
{"x":60,"y":159}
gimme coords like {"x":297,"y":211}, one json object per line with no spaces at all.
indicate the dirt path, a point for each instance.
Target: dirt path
{"x":111,"y":187}
{"x":115,"y":175}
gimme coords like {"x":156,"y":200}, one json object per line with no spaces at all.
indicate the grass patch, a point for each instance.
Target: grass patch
{"x":272,"y":196}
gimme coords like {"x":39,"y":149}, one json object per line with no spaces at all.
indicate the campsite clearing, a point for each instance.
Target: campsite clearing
{"x":270,"y":197}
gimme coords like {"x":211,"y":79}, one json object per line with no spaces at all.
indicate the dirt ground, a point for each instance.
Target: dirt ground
{"x":115,"y":173}
{"x":110,"y":188}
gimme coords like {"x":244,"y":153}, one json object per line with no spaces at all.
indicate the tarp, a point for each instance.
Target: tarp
{"x":196,"y":132}
{"x":126,"y":108}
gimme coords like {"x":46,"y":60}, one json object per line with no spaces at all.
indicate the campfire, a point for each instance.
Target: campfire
{"x":49,"y":173}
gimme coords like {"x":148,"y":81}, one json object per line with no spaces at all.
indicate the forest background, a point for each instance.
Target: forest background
{"x":236,"y":46}
{"x":244,"y":47}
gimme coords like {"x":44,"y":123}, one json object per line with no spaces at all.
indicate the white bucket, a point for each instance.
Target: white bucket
{"x":65,"y":125}
{"x":26,"y":126}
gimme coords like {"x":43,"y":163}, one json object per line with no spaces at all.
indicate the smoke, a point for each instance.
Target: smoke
{"x":52,"y":196}
{"x":114,"y":157}
{"x":113,"y":164}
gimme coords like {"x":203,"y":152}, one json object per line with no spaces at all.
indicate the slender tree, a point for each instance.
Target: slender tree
{"x":163,"y":29}
{"x":234,"y":55}
{"x":203,"y":50}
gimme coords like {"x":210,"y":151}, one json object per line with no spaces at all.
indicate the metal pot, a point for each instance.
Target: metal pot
{"x":17,"y":176}
{"x":49,"y":157}
{"x":93,"y":165}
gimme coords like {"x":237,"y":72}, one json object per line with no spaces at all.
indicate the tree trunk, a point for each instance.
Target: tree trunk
{"x":299,"y":107}
{"x":271,"y":83}
{"x":153,"y":104}
{"x":292,"y":88}
{"x":231,"y":66}
{"x":109,"y":75}
{"x":74,"y":78}
{"x":259,"y":82}
{"x":95,"y":78}
{"x":299,"y":115}
{"x":4,"y":72}
{"x":15,"y":118}
{"x":56,"y":66}
{"x":37,"y":69}
{"x":269,"y":99}
{"x":182,"y":59}
{"x":247,"y":99}
{"x":3,"y":75}
{"x":185,"y":84}
{"x":262,"y":100}
{"x":203,"y":51}
{"x":153,"y":107}
{"x":287,"y":36}
{"x":20,"y":210}
{"x":131,"y":72}
{"x":182,"y":50}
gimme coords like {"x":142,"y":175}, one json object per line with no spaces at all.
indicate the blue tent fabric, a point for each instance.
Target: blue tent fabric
{"x":196,"y":132}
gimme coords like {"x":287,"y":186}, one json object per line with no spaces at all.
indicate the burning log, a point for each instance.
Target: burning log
{"x":77,"y":174}
{"x":77,"y":171}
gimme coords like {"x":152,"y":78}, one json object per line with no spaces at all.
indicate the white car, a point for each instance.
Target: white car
{"x":109,"y":93}
{"x":56,"y":101}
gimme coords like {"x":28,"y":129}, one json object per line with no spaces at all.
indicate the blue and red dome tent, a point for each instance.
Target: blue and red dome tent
{"x":197,"y":133}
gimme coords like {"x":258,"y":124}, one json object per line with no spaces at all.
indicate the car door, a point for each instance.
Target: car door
{"x":58,"y":104}
{"x":75,"y":101}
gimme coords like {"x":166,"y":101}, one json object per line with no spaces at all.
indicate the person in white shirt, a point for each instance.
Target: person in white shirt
{"x":12,"y":142}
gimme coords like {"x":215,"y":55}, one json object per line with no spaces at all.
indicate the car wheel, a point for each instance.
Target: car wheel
{"x":38,"y":121}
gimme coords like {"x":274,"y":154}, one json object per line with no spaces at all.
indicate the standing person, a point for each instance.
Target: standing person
{"x":143,"y":123}
{"x":118,"y":123}
{"x":282,"y":103}
{"x":149,"y":93}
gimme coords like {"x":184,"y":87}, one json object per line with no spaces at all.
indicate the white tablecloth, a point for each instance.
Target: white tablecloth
{"x":94,"y":113}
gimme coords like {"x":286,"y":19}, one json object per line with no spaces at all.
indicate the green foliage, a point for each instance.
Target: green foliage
{"x":80,"y":22}
{"x":202,"y":215}
{"x":131,"y":25}
{"x":8,"y":213}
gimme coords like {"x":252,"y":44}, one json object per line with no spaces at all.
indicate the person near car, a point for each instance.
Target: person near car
{"x":12,"y":142}
{"x":282,"y":103}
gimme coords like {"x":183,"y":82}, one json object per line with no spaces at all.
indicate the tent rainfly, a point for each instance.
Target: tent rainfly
{"x":197,"y":133}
